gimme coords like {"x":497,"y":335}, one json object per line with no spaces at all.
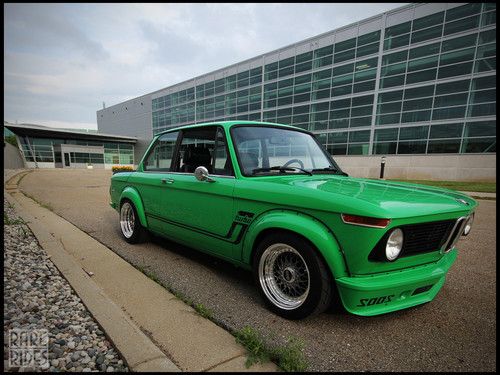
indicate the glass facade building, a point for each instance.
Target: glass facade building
{"x":417,"y":80}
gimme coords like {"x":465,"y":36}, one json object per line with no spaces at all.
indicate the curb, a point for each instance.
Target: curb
{"x":137,"y":350}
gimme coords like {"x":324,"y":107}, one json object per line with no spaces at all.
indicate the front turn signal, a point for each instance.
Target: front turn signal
{"x":365,"y":221}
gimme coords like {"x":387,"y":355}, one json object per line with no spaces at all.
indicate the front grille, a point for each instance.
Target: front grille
{"x":422,"y":238}
{"x":418,"y":238}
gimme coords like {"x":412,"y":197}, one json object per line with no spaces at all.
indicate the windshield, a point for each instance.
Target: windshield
{"x":265,"y":150}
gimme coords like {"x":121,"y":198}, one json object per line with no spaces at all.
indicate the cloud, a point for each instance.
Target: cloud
{"x":61,"y":61}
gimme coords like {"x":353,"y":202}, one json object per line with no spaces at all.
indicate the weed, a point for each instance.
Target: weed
{"x":203,"y":311}
{"x":8,"y":221}
{"x":288,"y":357}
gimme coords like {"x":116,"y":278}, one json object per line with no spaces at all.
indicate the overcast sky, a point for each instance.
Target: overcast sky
{"x":61,"y":61}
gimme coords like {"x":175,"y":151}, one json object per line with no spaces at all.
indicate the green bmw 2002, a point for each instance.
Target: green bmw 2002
{"x":269,"y":198}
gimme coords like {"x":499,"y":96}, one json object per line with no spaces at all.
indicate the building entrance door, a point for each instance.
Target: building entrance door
{"x":66,"y":159}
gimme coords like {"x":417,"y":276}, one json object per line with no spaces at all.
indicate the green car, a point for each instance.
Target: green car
{"x":269,"y":198}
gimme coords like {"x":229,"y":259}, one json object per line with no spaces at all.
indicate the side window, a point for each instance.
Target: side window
{"x":196,"y":149}
{"x":222,"y":162}
{"x":160,"y":157}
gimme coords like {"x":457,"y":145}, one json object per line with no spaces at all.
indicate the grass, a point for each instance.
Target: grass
{"x":483,"y":187}
{"x":288,"y":357}
{"x":8,"y":221}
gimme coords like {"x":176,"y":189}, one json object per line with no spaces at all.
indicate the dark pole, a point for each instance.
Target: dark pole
{"x":382,"y":167}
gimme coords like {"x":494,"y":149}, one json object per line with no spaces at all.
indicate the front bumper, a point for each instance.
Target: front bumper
{"x":390,"y":291}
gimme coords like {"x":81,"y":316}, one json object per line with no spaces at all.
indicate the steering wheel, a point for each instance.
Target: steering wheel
{"x":293,"y":161}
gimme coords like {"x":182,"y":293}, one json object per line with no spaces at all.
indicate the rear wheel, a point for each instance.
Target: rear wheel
{"x":131,"y":228}
{"x":292,"y":278}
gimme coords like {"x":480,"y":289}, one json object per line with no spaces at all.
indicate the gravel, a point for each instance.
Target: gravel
{"x":36,"y":296}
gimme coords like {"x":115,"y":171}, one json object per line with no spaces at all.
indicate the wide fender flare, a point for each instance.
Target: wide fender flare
{"x":133,"y":195}
{"x":304,"y":225}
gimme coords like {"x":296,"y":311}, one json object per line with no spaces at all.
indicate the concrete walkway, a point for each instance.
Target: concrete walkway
{"x":152,"y":329}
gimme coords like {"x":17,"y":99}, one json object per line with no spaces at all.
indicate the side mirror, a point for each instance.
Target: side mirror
{"x":201,"y":174}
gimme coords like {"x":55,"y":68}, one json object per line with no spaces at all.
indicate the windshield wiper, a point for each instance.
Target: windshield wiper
{"x":330,"y":168}
{"x":281,"y":169}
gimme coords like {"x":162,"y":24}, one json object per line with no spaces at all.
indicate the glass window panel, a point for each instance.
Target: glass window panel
{"x":393,"y":69}
{"x":423,"y":75}
{"x":427,"y":34}
{"x":489,"y":18}
{"x":337,"y":149}
{"x":362,"y":100}
{"x":462,"y":11}
{"x":365,"y":75}
{"x":342,"y":90}
{"x":327,"y":73}
{"x":386,"y":134}
{"x":453,"y":87}
{"x":322,"y":94}
{"x":444,"y":146}
{"x":483,"y":96}
{"x":411,"y":147}
{"x":285,"y":101}
{"x":480,"y":129}
{"x":361,"y":111}
{"x":359,"y":136}
{"x":285,"y":83}
{"x":423,"y":22}
{"x":475,"y":145}
{"x":447,"y":113}
{"x":394,"y":57}
{"x":364,"y":86}
{"x":338,"y":137}
{"x":300,"y":89}
{"x":489,"y":109}
{"x":461,"y":25}
{"x":388,"y":119}
{"x":450,"y":100}
{"x":458,"y":56}
{"x":416,"y":116}
{"x":358,"y":149}
{"x":369,"y":38}
{"x":320,"y":85}
{"x":302,"y":79}
{"x":345,"y":45}
{"x":344,"y":56}
{"x":361,"y":121}
{"x":325,"y":51}
{"x":270,"y":75}
{"x":256,"y":71}
{"x":239,"y":76}
{"x":489,"y":6}
{"x":426,"y":62}
{"x":367,"y":50}
{"x":303,"y":67}
{"x":285,"y":71}
{"x":389,"y":107}
{"x":318,"y":107}
{"x":340,"y":113}
{"x":395,"y":42}
{"x":429,"y":49}
{"x":460,"y":42}
{"x":344,"y":69}
{"x":446,"y":131}
{"x":390,"y":96}
{"x":412,"y":105}
{"x":455,"y":70}
{"x":485,"y":65}
{"x":344,"y":103}
{"x":483,"y":83}
{"x":339,"y":124}
{"x":384,"y":148}
{"x":392,"y":81}
{"x":303,"y":57}
{"x":488,"y":50}
{"x":365,"y":64}
{"x":342,"y":80}
{"x":398,"y":29}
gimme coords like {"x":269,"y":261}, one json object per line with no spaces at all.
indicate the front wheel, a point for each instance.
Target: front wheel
{"x":292,"y":278}
{"x":131,"y":228}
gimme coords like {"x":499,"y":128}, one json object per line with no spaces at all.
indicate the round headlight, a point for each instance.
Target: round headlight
{"x":394,"y":244}
{"x":468,"y":225}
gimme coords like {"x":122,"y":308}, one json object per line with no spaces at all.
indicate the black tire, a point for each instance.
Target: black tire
{"x":134,"y":232}
{"x":315,"y":299}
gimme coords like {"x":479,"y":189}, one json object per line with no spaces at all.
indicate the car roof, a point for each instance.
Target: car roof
{"x":229,"y":124}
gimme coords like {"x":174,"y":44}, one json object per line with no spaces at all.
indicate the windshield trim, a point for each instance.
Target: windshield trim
{"x":279,"y":126}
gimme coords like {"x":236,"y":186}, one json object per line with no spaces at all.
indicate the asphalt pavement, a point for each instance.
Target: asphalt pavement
{"x":455,"y":332}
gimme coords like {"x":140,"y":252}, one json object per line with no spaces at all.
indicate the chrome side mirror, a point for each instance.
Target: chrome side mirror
{"x":201,"y":174}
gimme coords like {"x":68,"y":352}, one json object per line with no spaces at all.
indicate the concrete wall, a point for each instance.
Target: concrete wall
{"x":12,"y":158}
{"x":470,"y":167}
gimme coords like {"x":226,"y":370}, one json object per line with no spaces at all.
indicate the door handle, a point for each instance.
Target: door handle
{"x":167,"y":180}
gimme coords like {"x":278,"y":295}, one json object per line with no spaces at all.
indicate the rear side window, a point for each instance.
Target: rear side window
{"x":160,"y":156}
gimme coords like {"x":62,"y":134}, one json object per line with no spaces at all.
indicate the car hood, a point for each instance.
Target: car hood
{"x":376,"y":198}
